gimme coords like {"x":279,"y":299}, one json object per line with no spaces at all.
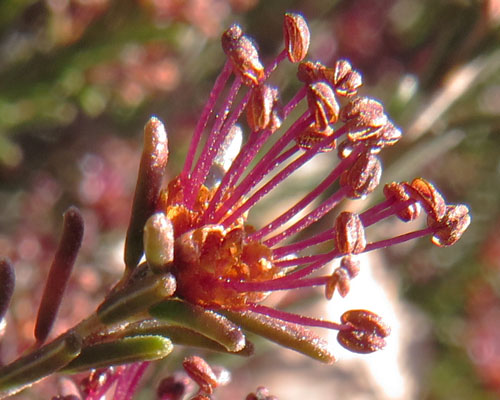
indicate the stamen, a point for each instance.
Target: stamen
{"x":274,"y":64}
{"x":297,"y":284}
{"x":296,"y":318}
{"x":214,"y":141}
{"x":321,"y":188}
{"x":219,"y":84}
{"x":298,"y":246}
{"x":256,"y":175}
{"x":244,"y":158}
{"x":281,"y":176}
{"x":309,"y":219}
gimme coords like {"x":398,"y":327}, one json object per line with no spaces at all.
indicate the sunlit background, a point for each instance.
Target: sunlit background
{"x":78,"y":80}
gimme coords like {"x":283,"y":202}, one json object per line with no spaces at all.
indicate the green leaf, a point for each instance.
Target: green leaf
{"x":40,"y":363}
{"x":122,"y":351}
{"x":182,"y":336}
{"x":292,"y":336}
{"x":136,"y":298}
{"x":208,"y":323}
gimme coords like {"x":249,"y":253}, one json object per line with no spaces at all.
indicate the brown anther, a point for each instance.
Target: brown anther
{"x":341,"y":277}
{"x":338,"y":280}
{"x":363,"y":176}
{"x":349,"y":233}
{"x":345,"y":80}
{"x":200,"y":397}
{"x":349,"y":85}
{"x":200,"y":372}
{"x":351,"y":265}
{"x":345,"y":148}
{"x":312,"y":135}
{"x":275,"y":121}
{"x":262,"y":393}
{"x":363,"y":116}
{"x":452,"y":225}
{"x":367,"y":333}
{"x":385,"y":136}
{"x":398,"y":193}
{"x":428,"y":196}
{"x":260,"y":107}
{"x":173,"y":387}
{"x":310,"y":72}
{"x":297,"y":37}
{"x":243,"y":55}
{"x":323,"y":105}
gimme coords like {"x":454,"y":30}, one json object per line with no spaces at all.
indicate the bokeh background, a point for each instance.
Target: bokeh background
{"x":79,"y":78}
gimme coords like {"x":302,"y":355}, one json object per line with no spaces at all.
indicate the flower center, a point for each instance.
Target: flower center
{"x":207,"y":257}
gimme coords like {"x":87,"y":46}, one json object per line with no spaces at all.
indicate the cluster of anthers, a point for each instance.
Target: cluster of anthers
{"x":207,"y":270}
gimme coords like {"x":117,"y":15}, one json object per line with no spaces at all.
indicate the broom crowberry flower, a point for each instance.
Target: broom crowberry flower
{"x":207,"y":269}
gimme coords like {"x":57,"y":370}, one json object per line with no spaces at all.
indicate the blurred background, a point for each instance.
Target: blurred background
{"x":79,"y":79}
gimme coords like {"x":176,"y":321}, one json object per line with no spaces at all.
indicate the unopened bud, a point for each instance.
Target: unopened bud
{"x":159,"y":242}
{"x":297,"y":37}
{"x":349,"y":233}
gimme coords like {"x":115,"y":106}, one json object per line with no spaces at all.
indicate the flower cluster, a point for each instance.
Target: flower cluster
{"x":219,"y":260}
{"x":207,"y":269}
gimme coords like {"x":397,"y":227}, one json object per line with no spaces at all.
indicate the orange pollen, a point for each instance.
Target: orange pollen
{"x":208,"y":256}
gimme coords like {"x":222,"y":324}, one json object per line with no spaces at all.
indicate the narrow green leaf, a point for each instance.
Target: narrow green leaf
{"x":122,"y":351}
{"x":40,"y":363}
{"x":136,"y":298}
{"x":292,"y":336}
{"x":182,"y":336}
{"x":60,"y":271}
{"x":208,"y":323}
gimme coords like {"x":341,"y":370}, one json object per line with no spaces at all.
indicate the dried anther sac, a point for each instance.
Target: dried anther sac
{"x":297,"y":37}
{"x":366,"y":334}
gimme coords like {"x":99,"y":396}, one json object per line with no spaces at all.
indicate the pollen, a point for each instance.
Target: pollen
{"x":208,"y":256}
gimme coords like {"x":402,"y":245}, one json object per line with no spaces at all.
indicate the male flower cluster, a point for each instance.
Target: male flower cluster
{"x":220,"y":261}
